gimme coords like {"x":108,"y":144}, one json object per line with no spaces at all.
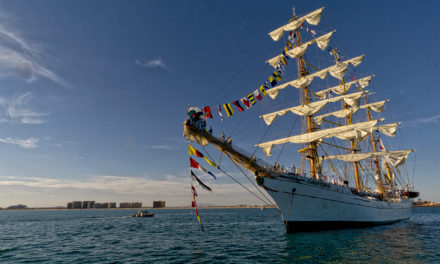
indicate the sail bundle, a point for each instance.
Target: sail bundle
{"x":359,"y":131}
{"x":312,"y":108}
{"x":388,"y":129}
{"x":343,"y":88}
{"x":313,"y":18}
{"x":396,"y":158}
{"x":342,"y":132}
{"x":344,"y":113}
{"x":337,"y":71}
{"x":298,"y":51}
{"x":376,"y":107}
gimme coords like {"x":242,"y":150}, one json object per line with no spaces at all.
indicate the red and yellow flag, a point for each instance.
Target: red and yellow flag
{"x":194,"y":164}
{"x":195,"y":152}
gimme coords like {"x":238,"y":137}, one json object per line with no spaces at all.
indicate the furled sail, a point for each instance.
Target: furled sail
{"x":343,"y":88}
{"x":298,"y":51}
{"x":275,"y":61}
{"x":396,"y":158}
{"x":344,"y":113}
{"x":376,"y":107}
{"x":312,"y":108}
{"x":312,"y":18}
{"x":362,"y":134}
{"x":388,"y":129}
{"x":337,"y":71}
{"x":342,"y":132}
{"x":399,"y":158}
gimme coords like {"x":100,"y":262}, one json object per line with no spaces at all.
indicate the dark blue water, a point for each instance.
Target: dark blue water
{"x":231,"y":236}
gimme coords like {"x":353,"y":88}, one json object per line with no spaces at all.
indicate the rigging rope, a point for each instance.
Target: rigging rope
{"x":290,"y":208}
{"x":268,"y":202}
{"x":256,"y":187}
{"x":225,"y":89}
{"x":238,"y":123}
{"x":335,"y":172}
{"x":268,"y":127}
{"x":290,"y":131}
{"x":232,"y":178}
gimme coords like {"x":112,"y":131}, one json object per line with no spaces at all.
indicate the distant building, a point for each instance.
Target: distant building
{"x":136,"y":205}
{"x":99,"y":205}
{"x":76,"y":205}
{"x":124,"y":205}
{"x":130,"y":205}
{"x":158,"y":204}
{"x":93,"y":204}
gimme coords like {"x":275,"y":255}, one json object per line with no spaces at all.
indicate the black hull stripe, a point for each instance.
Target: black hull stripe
{"x":311,"y":226}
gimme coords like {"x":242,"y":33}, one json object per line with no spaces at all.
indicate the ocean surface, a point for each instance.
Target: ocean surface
{"x":230,"y":236}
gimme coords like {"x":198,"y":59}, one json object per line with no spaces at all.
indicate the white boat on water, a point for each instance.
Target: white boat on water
{"x":347,"y":177}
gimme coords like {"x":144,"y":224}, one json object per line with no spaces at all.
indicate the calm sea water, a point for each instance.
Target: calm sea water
{"x":231,"y":236}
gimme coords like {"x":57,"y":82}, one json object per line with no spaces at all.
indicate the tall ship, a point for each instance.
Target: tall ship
{"x":346,"y":176}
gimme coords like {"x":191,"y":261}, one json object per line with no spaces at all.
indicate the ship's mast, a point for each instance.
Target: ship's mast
{"x":373,"y":144}
{"x":352,"y":141}
{"x":301,"y":73}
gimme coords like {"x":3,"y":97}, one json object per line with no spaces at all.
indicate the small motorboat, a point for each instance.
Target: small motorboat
{"x":143,"y":214}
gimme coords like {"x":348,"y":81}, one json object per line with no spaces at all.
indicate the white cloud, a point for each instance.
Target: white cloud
{"x":17,"y":109}
{"x":115,"y":184}
{"x":153,"y":64}
{"x":162,"y":147}
{"x":431,"y":119}
{"x":19,"y":58}
{"x":175,"y":190}
{"x":24,"y":143}
{"x":435,"y":119}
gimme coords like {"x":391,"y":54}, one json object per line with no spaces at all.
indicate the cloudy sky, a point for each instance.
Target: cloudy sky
{"x":93,"y":94}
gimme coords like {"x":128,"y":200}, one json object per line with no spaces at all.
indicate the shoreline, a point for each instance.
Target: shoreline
{"x":144,"y":208}
{"x":426,"y":204}
{"x":433,"y":205}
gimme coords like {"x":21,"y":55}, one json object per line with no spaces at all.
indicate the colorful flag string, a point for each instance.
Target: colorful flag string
{"x":258,"y":94}
{"x":194,"y":205}
{"x":200,"y":183}
{"x":196,"y":165}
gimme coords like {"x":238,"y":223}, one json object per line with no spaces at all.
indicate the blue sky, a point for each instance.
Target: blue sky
{"x":93,"y":94}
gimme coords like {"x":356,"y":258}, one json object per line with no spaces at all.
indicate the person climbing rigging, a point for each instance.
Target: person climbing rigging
{"x":222,"y":137}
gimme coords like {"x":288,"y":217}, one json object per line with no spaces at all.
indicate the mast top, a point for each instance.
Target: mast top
{"x":313,"y":18}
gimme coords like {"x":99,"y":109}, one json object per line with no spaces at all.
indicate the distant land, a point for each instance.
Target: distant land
{"x":202,"y":206}
{"x":426,"y":204}
{"x":205,"y":206}
{"x":24,"y":207}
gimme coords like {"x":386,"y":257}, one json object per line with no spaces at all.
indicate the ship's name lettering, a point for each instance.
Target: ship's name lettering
{"x":318,"y":183}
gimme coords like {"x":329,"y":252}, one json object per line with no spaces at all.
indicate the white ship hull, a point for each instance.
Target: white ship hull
{"x":307,"y":204}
